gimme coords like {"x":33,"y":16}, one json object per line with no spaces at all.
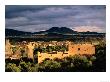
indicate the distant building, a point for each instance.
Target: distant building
{"x":73,"y":49}
{"x":81,"y":49}
{"x":8,"y":49}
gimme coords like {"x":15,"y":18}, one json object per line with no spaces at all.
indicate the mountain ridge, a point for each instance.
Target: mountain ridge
{"x":53,"y":30}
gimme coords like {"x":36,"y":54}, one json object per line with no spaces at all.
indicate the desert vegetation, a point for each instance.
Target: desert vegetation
{"x":76,"y":63}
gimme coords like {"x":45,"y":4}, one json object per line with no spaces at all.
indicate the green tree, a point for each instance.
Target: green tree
{"x":10,"y":67}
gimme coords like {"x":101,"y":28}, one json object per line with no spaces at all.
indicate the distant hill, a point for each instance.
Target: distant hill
{"x":54,"y":31}
{"x":12,"y":32}
{"x":62,"y":30}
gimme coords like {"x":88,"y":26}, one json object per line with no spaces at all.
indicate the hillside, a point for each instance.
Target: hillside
{"x":62,"y":30}
{"x":12,"y":32}
{"x":52,"y":31}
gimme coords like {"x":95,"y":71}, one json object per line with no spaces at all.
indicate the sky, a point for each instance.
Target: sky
{"x":34,"y":18}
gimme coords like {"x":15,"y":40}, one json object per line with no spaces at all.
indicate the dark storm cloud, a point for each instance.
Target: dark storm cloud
{"x":11,"y":10}
{"x":35,"y":18}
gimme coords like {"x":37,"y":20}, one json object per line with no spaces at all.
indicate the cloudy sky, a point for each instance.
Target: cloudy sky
{"x":32,"y":18}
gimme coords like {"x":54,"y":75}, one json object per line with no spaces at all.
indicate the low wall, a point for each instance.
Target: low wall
{"x":80,"y":49}
{"x":42,"y":56}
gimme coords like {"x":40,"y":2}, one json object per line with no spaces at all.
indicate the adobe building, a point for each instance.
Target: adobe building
{"x":81,"y":49}
{"x":8,"y":49}
{"x":73,"y":49}
{"x":30,"y":49}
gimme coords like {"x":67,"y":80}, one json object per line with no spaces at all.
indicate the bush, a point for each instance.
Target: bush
{"x":12,"y":68}
{"x":76,"y":63}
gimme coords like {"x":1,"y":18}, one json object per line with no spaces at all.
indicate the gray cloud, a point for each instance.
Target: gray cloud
{"x":35,"y":18}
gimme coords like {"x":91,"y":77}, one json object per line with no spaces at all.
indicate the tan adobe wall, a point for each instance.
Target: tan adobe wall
{"x":30,"y":49}
{"x":42,"y":56}
{"x":8,"y":50}
{"x":81,"y":49}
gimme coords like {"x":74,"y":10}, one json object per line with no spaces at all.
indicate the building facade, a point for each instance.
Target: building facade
{"x":16,"y":51}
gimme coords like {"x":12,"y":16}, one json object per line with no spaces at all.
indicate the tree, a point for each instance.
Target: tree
{"x":12,"y":68}
{"x":24,"y":66}
{"x":100,"y":62}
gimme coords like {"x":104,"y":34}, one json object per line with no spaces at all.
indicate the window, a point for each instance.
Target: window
{"x":39,"y":56}
{"x":78,"y":49}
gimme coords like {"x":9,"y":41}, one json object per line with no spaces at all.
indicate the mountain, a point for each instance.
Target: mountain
{"x":62,"y":30}
{"x":12,"y":32}
{"x":54,"y":31}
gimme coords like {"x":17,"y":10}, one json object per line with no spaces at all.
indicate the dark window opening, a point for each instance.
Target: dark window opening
{"x":78,"y":49}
